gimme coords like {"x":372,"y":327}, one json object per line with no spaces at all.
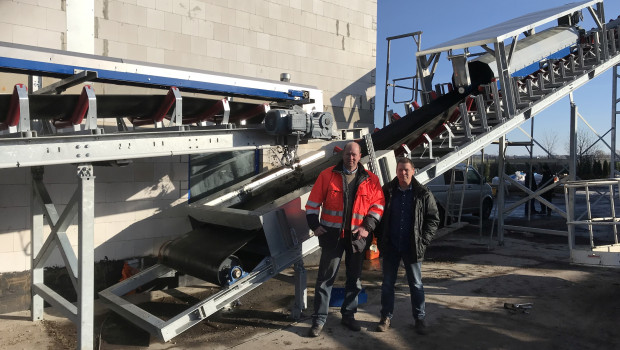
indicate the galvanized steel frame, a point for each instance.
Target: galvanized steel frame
{"x":37,"y":151}
{"x":81,"y":267}
{"x":604,"y":255}
{"x":615,"y":111}
{"x":23,"y":149}
{"x":516,"y":113}
{"x":267,"y":268}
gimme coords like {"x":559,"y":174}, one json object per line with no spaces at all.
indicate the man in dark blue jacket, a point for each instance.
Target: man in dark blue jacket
{"x":409,"y":223}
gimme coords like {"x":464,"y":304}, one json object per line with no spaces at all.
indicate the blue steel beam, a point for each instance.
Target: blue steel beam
{"x":49,"y":62}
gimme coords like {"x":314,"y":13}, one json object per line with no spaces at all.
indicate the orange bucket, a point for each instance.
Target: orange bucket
{"x":373,"y":251}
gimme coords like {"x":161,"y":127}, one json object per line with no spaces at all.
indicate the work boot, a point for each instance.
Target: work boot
{"x":351,"y":324}
{"x":384,"y":324}
{"x":420,"y":327}
{"x":315,"y":330}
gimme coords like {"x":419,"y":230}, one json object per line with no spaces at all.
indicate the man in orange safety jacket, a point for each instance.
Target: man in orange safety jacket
{"x":351,"y":203}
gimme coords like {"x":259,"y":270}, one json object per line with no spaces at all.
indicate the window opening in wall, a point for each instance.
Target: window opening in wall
{"x":210,"y":173}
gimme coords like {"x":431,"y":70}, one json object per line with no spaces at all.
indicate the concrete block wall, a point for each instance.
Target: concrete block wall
{"x":34,"y":22}
{"x":137,"y":209}
{"x":326,"y":43}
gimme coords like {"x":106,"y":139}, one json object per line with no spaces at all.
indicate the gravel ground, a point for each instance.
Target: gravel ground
{"x":467,"y":278}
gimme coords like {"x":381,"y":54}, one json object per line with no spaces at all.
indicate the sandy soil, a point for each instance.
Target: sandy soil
{"x":467,"y":280}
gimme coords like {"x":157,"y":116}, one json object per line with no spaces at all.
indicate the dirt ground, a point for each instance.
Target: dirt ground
{"x":467,"y":279}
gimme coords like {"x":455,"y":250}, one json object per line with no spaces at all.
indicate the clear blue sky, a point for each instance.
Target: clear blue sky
{"x":443,"y":20}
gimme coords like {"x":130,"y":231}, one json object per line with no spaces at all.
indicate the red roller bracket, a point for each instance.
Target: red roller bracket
{"x":161,"y":112}
{"x":13,"y":114}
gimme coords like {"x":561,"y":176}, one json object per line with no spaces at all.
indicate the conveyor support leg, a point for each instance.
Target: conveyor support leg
{"x":86,"y":256}
{"x":301,"y":290}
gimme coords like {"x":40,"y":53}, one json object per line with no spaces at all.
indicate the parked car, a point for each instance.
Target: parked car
{"x":477,"y":196}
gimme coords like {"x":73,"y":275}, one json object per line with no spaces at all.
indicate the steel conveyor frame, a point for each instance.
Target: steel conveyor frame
{"x":21,"y":147}
{"x":166,"y":330}
{"x":38,"y":151}
{"x":267,"y":268}
{"x":80,"y":268}
{"x":516,"y":104}
{"x":516,"y":107}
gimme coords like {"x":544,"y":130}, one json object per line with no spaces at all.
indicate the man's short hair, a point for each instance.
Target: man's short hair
{"x":405,"y":160}
{"x":352,"y":144}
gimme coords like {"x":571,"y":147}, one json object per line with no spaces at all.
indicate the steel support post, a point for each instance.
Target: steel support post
{"x":387,"y":77}
{"x":86,"y":256}
{"x":36,"y":239}
{"x":508,"y":94}
{"x":572,"y":172}
{"x":301,"y":290}
{"x":531,"y":203}
{"x":426,"y":72}
{"x":501,"y":191}
{"x":614,"y":116}
{"x":600,"y":11}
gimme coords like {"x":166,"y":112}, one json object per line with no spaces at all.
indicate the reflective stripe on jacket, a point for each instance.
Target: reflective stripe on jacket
{"x":328,"y":193}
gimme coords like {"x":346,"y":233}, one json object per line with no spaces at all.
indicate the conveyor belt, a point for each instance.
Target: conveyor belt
{"x":210,"y":252}
{"x":120,"y":106}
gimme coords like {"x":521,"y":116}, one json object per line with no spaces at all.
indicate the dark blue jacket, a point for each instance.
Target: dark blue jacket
{"x":425,"y":217}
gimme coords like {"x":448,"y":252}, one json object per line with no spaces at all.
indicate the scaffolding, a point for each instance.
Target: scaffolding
{"x":591,"y":192}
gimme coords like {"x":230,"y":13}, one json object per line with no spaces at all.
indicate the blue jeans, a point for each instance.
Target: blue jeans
{"x":328,"y":269}
{"x":413,"y":270}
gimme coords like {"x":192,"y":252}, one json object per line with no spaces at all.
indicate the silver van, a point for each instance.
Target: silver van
{"x":468,"y":189}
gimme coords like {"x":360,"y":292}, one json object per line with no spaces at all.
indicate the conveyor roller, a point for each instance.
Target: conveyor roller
{"x":210,"y":253}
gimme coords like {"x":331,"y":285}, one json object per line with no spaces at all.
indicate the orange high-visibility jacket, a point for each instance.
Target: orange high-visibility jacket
{"x":328,"y":192}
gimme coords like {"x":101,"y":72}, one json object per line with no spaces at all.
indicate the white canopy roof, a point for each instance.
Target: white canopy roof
{"x":513,"y":27}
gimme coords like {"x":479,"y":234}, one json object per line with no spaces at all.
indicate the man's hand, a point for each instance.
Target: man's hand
{"x":361,"y":232}
{"x":319,"y":231}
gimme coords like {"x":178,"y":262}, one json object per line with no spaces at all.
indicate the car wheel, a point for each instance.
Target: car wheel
{"x":487,"y":207}
{"x":442,"y":217}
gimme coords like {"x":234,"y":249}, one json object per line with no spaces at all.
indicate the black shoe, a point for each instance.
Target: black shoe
{"x":315,"y":330}
{"x":384,"y":324}
{"x":351,"y":323}
{"x":420,"y":327}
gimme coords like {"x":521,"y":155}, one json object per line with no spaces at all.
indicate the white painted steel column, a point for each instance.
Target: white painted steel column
{"x":572,"y":172}
{"x":508,"y":93}
{"x":501,"y":191}
{"x":301,"y":290}
{"x":36,"y":239}
{"x":614,"y":116}
{"x":86,"y":254}
{"x":531,"y":205}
